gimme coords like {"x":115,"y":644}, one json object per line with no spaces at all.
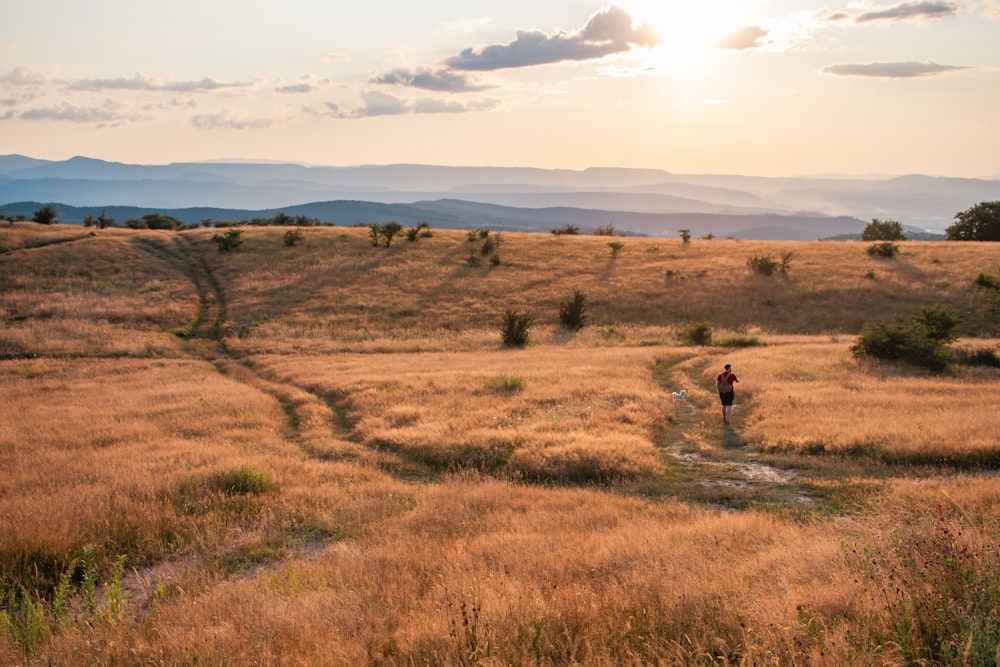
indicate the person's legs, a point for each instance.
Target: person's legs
{"x":727,"y":412}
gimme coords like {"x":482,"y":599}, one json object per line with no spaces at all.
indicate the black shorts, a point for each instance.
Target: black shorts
{"x":727,"y":398}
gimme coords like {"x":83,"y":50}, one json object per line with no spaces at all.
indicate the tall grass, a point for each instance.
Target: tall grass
{"x":358,"y":473}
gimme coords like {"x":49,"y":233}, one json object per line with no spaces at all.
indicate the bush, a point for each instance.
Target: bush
{"x":515,"y":328}
{"x":768,"y":266}
{"x":988,"y":280}
{"x":939,"y":322}
{"x":293,"y":237}
{"x":605,"y":230}
{"x":46,"y":215}
{"x":573,"y":313}
{"x":699,"y":333}
{"x":982,"y":356}
{"x":567,"y":229}
{"x":905,"y":343}
{"x":616,"y":248}
{"x":243,"y":481}
{"x":506,"y":384}
{"x":883,"y":230}
{"x":685,"y":236}
{"x":231,"y":240}
{"x":883,"y":249}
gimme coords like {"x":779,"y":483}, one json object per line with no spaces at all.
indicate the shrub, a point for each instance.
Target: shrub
{"x":230,"y":240}
{"x":46,"y":215}
{"x":939,"y":322}
{"x":906,"y":343}
{"x":390,"y":230}
{"x":883,"y":249}
{"x":573,"y":313}
{"x":243,"y":481}
{"x":982,"y":356}
{"x":699,"y":333}
{"x":515,"y":328}
{"x":883,"y":230}
{"x":768,"y":266}
{"x":374,"y":230}
{"x":616,"y":248}
{"x":293,"y":237}
{"x":567,"y":229}
{"x":155,"y":221}
{"x":494,"y":259}
{"x":506,"y":384}
{"x":685,"y":236}
{"x":605,"y":230}
{"x":988,"y":281}
{"x":742,"y":340}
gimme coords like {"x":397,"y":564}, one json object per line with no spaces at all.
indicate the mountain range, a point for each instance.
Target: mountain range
{"x":636,"y":201}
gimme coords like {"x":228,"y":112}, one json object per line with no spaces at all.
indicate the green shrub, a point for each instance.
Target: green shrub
{"x":293,"y":237}
{"x":988,"y":281}
{"x":616,"y":248}
{"x":905,"y":343}
{"x":230,"y":240}
{"x":768,"y":266}
{"x":737,"y":341}
{"x":982,"y":356}
{"x":883,"y":249}
{"x":699,"y":333}
{"x":515,"y":330}
{"x":573,"y":313}
{"x":605,"y":230}
{"x":571,"y":230}
{"x":883,"y":230}
{"x":242,"y":481}
{"x":506,"y":384}
{"x":939,"y":322}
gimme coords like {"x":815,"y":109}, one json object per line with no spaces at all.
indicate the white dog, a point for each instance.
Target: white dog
{"x":679,"y":395}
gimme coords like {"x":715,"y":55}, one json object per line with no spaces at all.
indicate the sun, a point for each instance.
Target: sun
{"x":688,"y":32}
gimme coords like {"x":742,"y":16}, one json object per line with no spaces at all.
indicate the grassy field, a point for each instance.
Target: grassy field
{"x":321,"y":454}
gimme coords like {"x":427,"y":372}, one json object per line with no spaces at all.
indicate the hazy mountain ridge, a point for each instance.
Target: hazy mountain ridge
{"x":527,"y":197}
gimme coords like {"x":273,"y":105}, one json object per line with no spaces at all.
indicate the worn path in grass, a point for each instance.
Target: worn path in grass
{"x":709,"y":460}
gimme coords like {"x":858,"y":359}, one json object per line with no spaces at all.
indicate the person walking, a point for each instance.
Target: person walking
{"x":724,"y":382}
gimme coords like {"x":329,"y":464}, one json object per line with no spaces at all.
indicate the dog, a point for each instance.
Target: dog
{"x":679,"y":395}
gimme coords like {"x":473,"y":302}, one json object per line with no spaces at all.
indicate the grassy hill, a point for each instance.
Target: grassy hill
{"x":320,"y":453}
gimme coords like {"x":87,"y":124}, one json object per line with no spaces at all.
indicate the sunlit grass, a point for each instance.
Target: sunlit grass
{"x":359,"y":473}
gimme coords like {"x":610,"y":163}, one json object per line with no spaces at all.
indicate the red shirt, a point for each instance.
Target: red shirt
{"x":732,"y":378}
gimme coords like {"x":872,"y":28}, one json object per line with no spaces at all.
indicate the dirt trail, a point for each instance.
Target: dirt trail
{"x":711,"y":460}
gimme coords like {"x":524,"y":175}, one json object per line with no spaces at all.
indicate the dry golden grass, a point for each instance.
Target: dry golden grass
{"x":320,"y":455}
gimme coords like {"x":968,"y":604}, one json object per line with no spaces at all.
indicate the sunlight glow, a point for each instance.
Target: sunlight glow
{"x":688,"y":32}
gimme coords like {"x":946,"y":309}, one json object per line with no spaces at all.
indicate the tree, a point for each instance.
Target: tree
{"x":154,"y":221}
{"x":46,"y":215}
{"x":389,"y":230}
{"x":573,"y":313}
{"x":230,"y":240}
{"x":883,"y":230}
{"x":979,"y":223}
{"x":685,"y":236}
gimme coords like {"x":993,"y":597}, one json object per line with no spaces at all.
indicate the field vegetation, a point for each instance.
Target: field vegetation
{"x":322,"y":452}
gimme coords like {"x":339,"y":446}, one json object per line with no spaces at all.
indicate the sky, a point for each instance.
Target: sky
{"x":753,"y":87}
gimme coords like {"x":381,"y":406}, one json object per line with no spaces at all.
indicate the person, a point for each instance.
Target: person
{"x":725,"y":382}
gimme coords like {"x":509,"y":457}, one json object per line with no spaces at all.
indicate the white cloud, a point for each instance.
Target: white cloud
{"x":750,"y":37}
{"x":225,"y":120}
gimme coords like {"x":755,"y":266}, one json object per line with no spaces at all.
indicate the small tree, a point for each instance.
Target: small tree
{"x":979,"y":223}
{"x":883,"y":230}
{"x":939,"y":322}
{"x":230,"y":240}
{"x":573,"y":313}
{"x":685,"y":236}
{"x":293,"y":237}
{"x":616,"y":248}
{"x":46,"y":215}
{"x":374,"y":230}
{"x":390,"y":230}
{"x":515,"y":328}
{"x":883,"y":249}
{"x":567,"y":229}
{"x":605,"y":230}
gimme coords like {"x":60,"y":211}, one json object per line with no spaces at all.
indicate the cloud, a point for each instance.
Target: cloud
{"x":437,"y":106}
{"x":607,"y":32}
{"x":107,"y":114}
{"x":377,"y":103}
{"x":750,"y":37}
{"x":22,"y":76}
{"x":904,"y":70}
{"x":904,"y":11}
{"x":294,"y":88}
{"x":440,"y":80}
{"x":224,"y":120}
{"x":140,"y":82}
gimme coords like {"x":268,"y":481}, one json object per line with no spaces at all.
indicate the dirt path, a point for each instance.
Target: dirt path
{"x":712,"y":462}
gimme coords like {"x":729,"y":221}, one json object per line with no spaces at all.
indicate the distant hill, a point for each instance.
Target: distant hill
{"x":458,"y":214}
{"x":639,"y":201}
